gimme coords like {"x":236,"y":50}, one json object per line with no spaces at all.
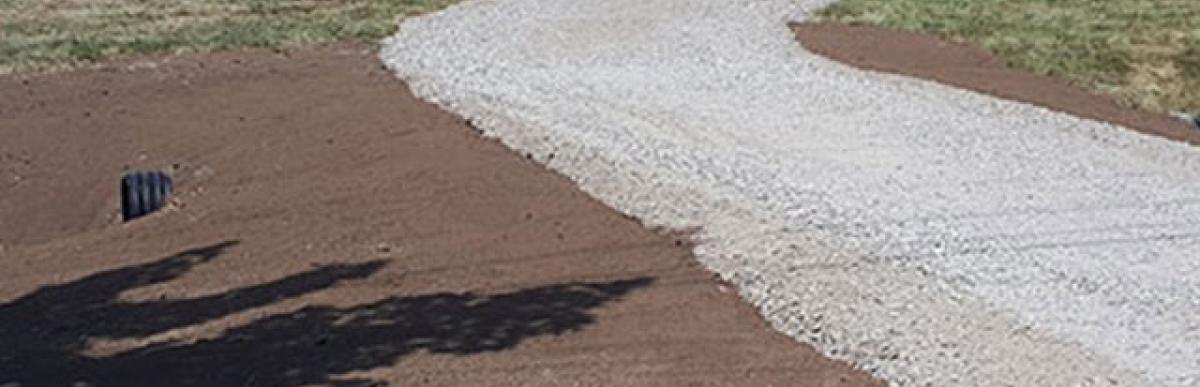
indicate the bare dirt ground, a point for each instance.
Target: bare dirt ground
{"x":966,"y":66}
{"x":331,"y":229}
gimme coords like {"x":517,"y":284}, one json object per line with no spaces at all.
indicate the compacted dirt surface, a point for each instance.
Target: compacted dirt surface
{"x":331,"y":229}
{"x":970,"y":67}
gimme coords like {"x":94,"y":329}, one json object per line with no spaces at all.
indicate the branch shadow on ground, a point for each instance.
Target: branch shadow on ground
{"x":45,"y":333}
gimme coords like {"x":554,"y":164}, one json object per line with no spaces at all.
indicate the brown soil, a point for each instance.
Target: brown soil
{"x":974,"y":68}
{"x":329,"y":228}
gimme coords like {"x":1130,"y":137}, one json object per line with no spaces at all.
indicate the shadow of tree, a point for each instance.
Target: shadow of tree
{"x":44,"y":333}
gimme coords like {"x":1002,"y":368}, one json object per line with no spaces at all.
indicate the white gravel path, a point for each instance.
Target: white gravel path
{"x":930,"y":235}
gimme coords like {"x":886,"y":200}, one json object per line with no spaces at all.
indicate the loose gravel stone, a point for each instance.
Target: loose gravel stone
{"x":930,"y":235}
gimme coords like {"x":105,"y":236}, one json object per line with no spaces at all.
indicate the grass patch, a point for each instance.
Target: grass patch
{"x":1145,"y":52}
{"x":40,"y":34}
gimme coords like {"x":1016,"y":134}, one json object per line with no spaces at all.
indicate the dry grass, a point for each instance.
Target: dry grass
{"x":1146,"y":52}
{"x":40,"y":34}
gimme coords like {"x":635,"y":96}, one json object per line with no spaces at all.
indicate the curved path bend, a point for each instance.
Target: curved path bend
{"x":926,"y":234}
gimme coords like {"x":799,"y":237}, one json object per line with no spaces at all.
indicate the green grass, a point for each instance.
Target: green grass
{"x":43,"y":34}
{"x":1145,"y":52}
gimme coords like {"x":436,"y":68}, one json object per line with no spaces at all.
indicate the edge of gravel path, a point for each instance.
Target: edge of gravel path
{"x":810,"y":285}
{"x":971,"y":67}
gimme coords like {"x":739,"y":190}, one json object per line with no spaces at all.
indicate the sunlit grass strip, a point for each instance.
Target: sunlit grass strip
{"x":38,"y":34}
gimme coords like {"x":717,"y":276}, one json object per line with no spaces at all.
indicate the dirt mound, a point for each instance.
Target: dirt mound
{"x":329,"y":228}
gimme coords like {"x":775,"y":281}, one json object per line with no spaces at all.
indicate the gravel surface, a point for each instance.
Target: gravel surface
{"x":926,"y":234}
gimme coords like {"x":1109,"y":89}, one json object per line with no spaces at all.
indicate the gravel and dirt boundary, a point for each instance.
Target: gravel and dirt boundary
{"x":973,"y":68}
{"x":928,"y":234}
{"x":331,"y":229}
